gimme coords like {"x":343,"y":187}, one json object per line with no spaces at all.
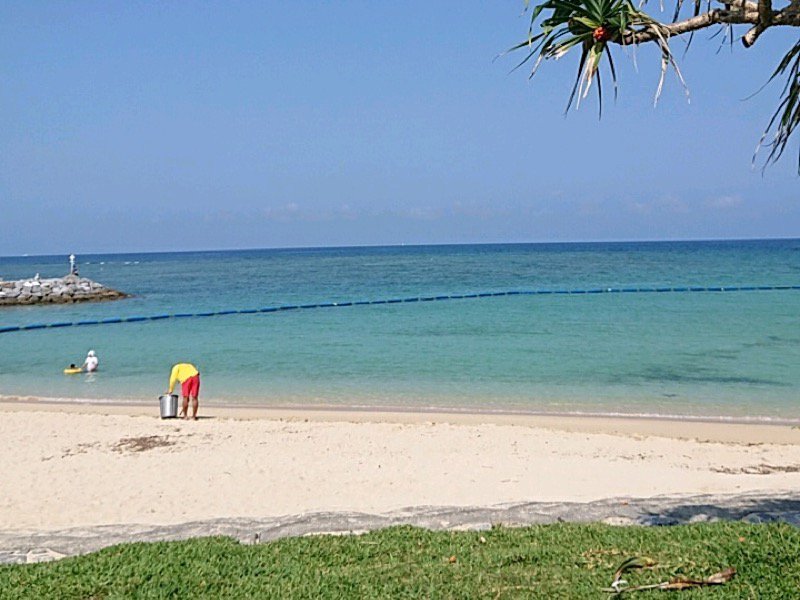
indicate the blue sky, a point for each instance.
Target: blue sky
{"x":148,"y":126}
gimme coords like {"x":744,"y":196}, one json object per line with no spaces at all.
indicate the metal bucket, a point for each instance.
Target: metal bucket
{"x":168,"y":404}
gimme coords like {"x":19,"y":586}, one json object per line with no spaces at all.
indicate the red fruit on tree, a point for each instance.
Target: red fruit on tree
{"x":601,"y":34}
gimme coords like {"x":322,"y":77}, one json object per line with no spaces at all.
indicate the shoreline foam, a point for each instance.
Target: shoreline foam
{"x":749,"y":429}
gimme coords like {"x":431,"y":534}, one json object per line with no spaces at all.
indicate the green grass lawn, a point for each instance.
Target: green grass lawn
{"x":546,"y":561}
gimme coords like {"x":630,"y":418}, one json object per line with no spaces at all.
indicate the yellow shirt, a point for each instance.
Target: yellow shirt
{"x":181,"y":372}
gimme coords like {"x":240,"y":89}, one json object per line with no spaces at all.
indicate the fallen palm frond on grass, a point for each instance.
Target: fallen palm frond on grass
{"x":620,"y":586}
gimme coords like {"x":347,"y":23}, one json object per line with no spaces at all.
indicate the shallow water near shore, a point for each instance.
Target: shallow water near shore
{"x":723,"y":355}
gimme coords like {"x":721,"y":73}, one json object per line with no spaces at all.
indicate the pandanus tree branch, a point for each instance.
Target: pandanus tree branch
{"x":594,"y":26}
{"x":764,"y":21}
{"x":736,"y":14}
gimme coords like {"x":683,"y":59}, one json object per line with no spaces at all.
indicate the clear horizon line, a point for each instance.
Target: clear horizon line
{"x":414,"y":245}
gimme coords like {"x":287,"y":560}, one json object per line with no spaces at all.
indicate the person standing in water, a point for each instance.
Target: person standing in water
{"x":91,"y":363}
{"x":189,"y":378}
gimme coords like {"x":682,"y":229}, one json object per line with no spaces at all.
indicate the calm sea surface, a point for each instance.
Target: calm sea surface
{"x":698,"y":354}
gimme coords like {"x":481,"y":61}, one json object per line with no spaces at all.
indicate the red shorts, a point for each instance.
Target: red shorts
{"x":191,"y":386}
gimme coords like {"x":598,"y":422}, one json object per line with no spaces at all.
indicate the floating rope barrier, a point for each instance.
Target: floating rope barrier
{"x":270,"y":309}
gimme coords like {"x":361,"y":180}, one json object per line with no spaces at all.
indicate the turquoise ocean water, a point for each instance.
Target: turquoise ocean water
{"x":727,"y":355}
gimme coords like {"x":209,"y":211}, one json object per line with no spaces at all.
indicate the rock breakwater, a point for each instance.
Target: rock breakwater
{"x":58,"y":290}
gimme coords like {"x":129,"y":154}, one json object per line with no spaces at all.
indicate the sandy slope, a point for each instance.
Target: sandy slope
{"x":75,"y":465}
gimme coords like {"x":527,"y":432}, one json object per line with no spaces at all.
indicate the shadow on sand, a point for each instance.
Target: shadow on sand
{"x":22,"y":547}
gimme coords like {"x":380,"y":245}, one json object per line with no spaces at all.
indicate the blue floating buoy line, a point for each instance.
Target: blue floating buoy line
{"x":271,"y":309}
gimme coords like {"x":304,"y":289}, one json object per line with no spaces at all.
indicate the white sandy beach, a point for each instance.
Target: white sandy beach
{"x":74,"y":465}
